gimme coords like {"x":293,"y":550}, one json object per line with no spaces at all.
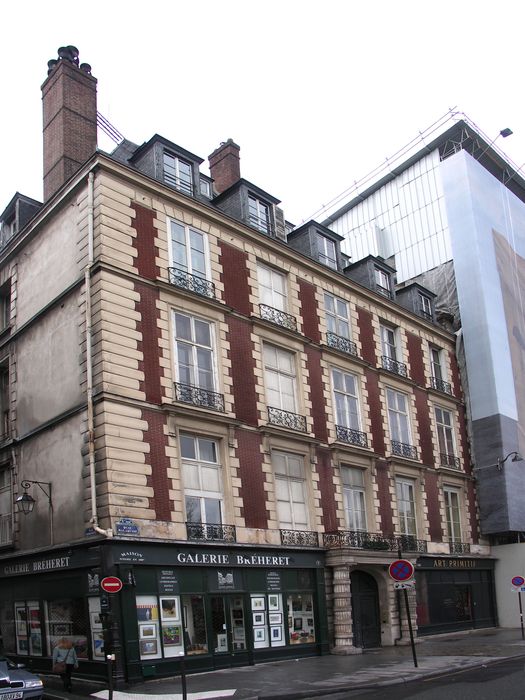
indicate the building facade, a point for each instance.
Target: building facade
{"x":210,"y":407}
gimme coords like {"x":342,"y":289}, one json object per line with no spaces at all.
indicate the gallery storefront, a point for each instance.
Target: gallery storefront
{"x":454,"y":593}
{"x":214,"y":606}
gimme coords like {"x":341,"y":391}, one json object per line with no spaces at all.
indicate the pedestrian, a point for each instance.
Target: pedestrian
{"x":64,"y":661}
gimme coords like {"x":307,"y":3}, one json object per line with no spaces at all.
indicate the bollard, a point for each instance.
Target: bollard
{"x":183,"y":675}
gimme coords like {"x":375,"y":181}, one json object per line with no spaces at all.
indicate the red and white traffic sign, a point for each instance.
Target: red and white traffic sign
{"x":111,"y":584}
{"x":401,"y":570}
{"x":518,"y":581}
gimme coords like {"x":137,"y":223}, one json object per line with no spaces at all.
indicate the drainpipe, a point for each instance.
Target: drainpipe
{"x":89,"y":361}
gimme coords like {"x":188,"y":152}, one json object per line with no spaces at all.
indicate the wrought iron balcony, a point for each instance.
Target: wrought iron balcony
{"x":447,"y":460}
{"x":287,"y":419}
{"x":384,"y":291}
{"x":441,"y":385}
{"x":217,"y":532}
{"x":401,"y":449}
{"x":410,"y":543}
{"x":191,"y":283}
{"x":199,"y":397}
{"x":280,"y":318}
{"x":425,"y":314}
{"x":351,"y":436}
{"x":394,"y":366}
{"x":300,"y":538}
{"x":340,"y":343}
{"x":459,"y":547}
{"x":6,"y":529}
{"x":375,"y":541}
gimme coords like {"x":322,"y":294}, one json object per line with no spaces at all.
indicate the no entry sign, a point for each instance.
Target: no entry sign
{"x":111,"y":584}
{"x":518,"y":581}
{"x":401,"y":570}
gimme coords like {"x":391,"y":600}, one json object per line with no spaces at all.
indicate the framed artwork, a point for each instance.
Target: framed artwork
{"x":259,"y":634}
{"x":98,"y":645}
{"x":169,"y":609}
{"x":238,"y":634}
{"x":298,"y":623}
{"x":275,"y":618}
{"x":274,"y":602}
{"x":171,"y":635}
{"x":308,"y":606}
{"x":96,"y":622}
{"x":147,"y":612}
{"x":148,"y":647}
{"x":310,"y":622}
{"x":276,"y":634}
{"x":222,"y":642}
{"x":290,"y":621}
{"x":147,"y":631}
{"x":237,"y":614}
{"x":258,"y":603}
{"x":258,"y":618}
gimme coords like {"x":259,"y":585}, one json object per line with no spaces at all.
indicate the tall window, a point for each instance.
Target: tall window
{"x":5,"y":305}
{"x":6,"y":500}
{"x":337,"y":317}
{"x":188,"y":249}
{"x":177,"y":173}
{"x":354,"y":497}
{"x":280,"y":379}
{"x":382,"y":282}
{"x":259,"y":214}
{"x":346,"y":399}
{"x":194,"y":351}
{"x":272,"y":287}
{"x":425,"y":306}
{"x":201,"y":473}
{"x":388,"y":342}
{"x":290,"y":489}
{"x":327,"y":251}
{"x":398,"y":416}
{"x":436,"y":368}
{"x":406,"y":506}
{"x":452,"y":511}
{"x":4,"y":398}
{"x":445,"y":431}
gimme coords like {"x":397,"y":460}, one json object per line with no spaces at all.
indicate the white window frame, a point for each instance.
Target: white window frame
{"x":200,"y":465}
{"x":342,"y":408}
{"x":336,"y":322}
{"x":443,"y":427}
{"x":436,"y":367}
{"x":407,"y":515}
{"x":195,"y":350}
{"x":450,"y":511}
{"x":389,"y":341}
{"x":397,"y":414}
{"x":282,"y":377}
{"x":262,"y":223}
{"x":175,"y":180}
{"x":188,"y":266}
{"x":6,"y":505}
{"x":354,"y":498}
{"x":295,"y":486}
{"x":327,"y":251}
{"x":382,"y":279}
{"x":426,"y":304}
{"x":274,"y":293}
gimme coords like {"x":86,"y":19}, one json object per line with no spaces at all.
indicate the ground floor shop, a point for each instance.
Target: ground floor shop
{"x":214,"y":607}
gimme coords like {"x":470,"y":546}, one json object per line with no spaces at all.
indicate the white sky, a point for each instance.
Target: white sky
{"x":316,"y":94}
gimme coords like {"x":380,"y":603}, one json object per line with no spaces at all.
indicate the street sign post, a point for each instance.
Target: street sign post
{"x":111,"y":584}
{"x":518,"y":581}
{"x":402,"y":571}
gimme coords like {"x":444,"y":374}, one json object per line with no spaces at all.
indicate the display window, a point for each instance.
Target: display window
{"x":301,"y":628}
{"x":28,"y":628}
{"x":67,"y":619}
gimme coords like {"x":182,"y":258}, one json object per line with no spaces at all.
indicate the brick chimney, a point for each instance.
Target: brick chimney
{"x":225,"y":168}
{"x":69,"y":98}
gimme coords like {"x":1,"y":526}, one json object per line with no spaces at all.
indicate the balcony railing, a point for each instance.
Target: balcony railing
{"x":359,"y":539}
{"x":339,"y":343}
{"x":447,"y":460}
{"x":351,"y":436}
{"x":261,"y":223}
{"x":401,"y":449}
{"x":300,"y":538}
{"x":384,"y":291}
{"x":280,"y":318}
{"x":287,"y":419}
{"x":217,"y":532}
{"x":459,"y":547}
{"x":394,"y":366}
{"x":191,"y":283}
{"x":199,"y":397}
{"x":425,"y":314}
{"x":441,"y":385}
{"x":6,"y":529}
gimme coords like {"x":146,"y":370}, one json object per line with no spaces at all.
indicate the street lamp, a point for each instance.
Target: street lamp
{"x":516,"y":457}
{"x":26,"y":502}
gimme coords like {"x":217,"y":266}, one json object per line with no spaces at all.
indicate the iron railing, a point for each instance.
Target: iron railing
{"x":280,"y":318}
{"x":287,"y":419}
{"x":459,"y":547}
{"x":401,"y":449}
{"x":360,"y":539}
{"x":300,"y":538}
{"x":441,"y":385}
{"x":394,"y":366}
{"x":6,"y":529}
{"x":260,"y":222}
{"x":447,"y":460}
{"x":191,"y":283}
{"x":425,"y":314}
{"x":199,"y":397}
{"x":339,"y":343}
{"x":351,"y":436}
{"x":384,"y":291}
{"x":211,"y":531}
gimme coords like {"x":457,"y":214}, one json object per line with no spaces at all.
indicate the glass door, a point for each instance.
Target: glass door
{"x":228,"y":630}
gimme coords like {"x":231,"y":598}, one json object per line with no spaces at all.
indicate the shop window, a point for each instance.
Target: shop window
{"x":66,"y":619}
{"x":97,"y":638}
{"x":194,"y":625}
{"x":267,"y":620}
{"x":28,"y":628}
{"x":301,"y":627}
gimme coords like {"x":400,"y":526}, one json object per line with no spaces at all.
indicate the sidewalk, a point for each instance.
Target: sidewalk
{"x":308,"y":677}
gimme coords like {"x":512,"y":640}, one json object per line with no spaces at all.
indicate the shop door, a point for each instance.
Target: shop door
{"x":229,"y":643}
{"x":365,"y":610}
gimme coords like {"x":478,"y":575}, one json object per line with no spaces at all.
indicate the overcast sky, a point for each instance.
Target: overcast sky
{"x":316,"y":94}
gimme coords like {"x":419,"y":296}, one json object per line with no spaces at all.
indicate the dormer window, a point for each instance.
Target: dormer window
{"x":205,"y":188}
{"x":425,"y":307}
{"x":382,"y":280}
{"x":259,"y":214}
{"x":327,"y":251}
{"x":177,"y":173}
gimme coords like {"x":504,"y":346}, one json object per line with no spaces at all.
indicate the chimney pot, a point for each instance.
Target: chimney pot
{"x":225,"y":168}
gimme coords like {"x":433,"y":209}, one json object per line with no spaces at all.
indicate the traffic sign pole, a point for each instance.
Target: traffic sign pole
{"x":521,"y":616}
{"x":405,"y":592}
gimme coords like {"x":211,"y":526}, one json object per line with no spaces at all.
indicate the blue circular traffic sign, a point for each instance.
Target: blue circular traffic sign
{"x":518,"y":581}
{"x":401,"y":570}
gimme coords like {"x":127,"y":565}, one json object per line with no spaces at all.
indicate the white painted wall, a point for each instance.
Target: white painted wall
{"x":510,"y":562}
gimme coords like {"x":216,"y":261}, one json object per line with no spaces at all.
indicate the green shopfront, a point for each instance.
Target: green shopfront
{"x":213,"y":606}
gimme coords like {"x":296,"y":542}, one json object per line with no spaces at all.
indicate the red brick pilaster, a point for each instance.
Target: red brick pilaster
{"x":434,"y":517}
{"x":366,"y":336}
{"x":385,"y":499}
{"x":150,"y":343}
{"x":415,"y":358}
{"x":424,"y":427}
{"x":252,"y":479}
{"x":147,"y":251}
{"x":309,"y":315}
{"x":159,"y":461}
{"x":242,"y":370}
{"x":235,"y":278}
{"x":325,"y":470}
{"x":374,"y":406}
{"x":315,"y":374}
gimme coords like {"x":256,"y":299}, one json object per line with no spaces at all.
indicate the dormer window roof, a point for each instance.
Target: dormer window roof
{"x":318,"y":242}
